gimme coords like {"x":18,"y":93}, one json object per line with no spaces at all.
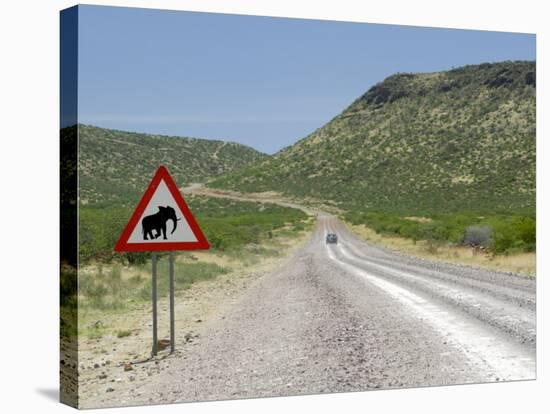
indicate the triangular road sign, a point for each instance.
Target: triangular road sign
{"x":161,"y":221}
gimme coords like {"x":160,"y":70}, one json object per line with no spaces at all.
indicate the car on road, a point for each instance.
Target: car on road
{"x":331,"y":238}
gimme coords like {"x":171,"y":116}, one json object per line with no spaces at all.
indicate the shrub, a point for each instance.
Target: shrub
{"x":137,"y":257}
{"x":517,"y":233}
{"x":478,"y":236}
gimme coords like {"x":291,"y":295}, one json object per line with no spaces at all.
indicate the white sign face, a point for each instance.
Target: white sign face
{"x":156,"y":224}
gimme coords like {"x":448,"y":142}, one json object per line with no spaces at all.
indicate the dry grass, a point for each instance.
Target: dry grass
{"x":522,"y":263}
{"x":121,"y":317}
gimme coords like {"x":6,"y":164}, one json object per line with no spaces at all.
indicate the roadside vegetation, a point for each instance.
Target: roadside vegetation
{"x":228,"y":225}
{"x":111,"y":289}
{"x":523,"y":263}
{"x":109,"y":283}
{"x":497,"y":234}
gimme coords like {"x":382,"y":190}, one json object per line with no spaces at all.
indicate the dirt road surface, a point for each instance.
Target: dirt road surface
{"x":265,"y":197}
{"x":350,"y":317}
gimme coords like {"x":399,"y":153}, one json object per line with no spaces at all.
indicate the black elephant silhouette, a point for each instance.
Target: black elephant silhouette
{"x":157,"y":222}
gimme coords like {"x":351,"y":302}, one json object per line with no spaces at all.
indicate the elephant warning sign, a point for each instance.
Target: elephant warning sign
{"x":161,"y":221}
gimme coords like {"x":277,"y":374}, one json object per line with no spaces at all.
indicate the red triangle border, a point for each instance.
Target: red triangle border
{"x":122,"y":244}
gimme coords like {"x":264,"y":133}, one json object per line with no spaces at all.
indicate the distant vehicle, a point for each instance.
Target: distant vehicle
{"x":332,"y":238}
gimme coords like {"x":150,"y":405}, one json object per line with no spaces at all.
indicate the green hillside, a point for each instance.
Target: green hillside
{"x":454,"y":141}
{"x":115,"y":166}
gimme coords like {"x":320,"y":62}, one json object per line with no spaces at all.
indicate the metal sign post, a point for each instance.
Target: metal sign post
{"x":154,"y":300}
{"x":172,"y":316}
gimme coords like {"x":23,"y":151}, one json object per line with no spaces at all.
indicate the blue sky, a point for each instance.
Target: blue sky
{"x":265,"y":82}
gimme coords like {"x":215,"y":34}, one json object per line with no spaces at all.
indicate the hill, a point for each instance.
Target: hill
{"x":116,"y":166}
{"x":459,"y":140}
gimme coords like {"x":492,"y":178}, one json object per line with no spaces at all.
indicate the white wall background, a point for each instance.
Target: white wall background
{"x":29,"y":185}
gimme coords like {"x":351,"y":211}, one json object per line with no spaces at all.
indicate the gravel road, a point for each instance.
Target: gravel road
{"x":351,"y":317}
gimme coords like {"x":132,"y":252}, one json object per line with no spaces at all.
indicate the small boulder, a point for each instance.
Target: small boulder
{"x":163,"y":344}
